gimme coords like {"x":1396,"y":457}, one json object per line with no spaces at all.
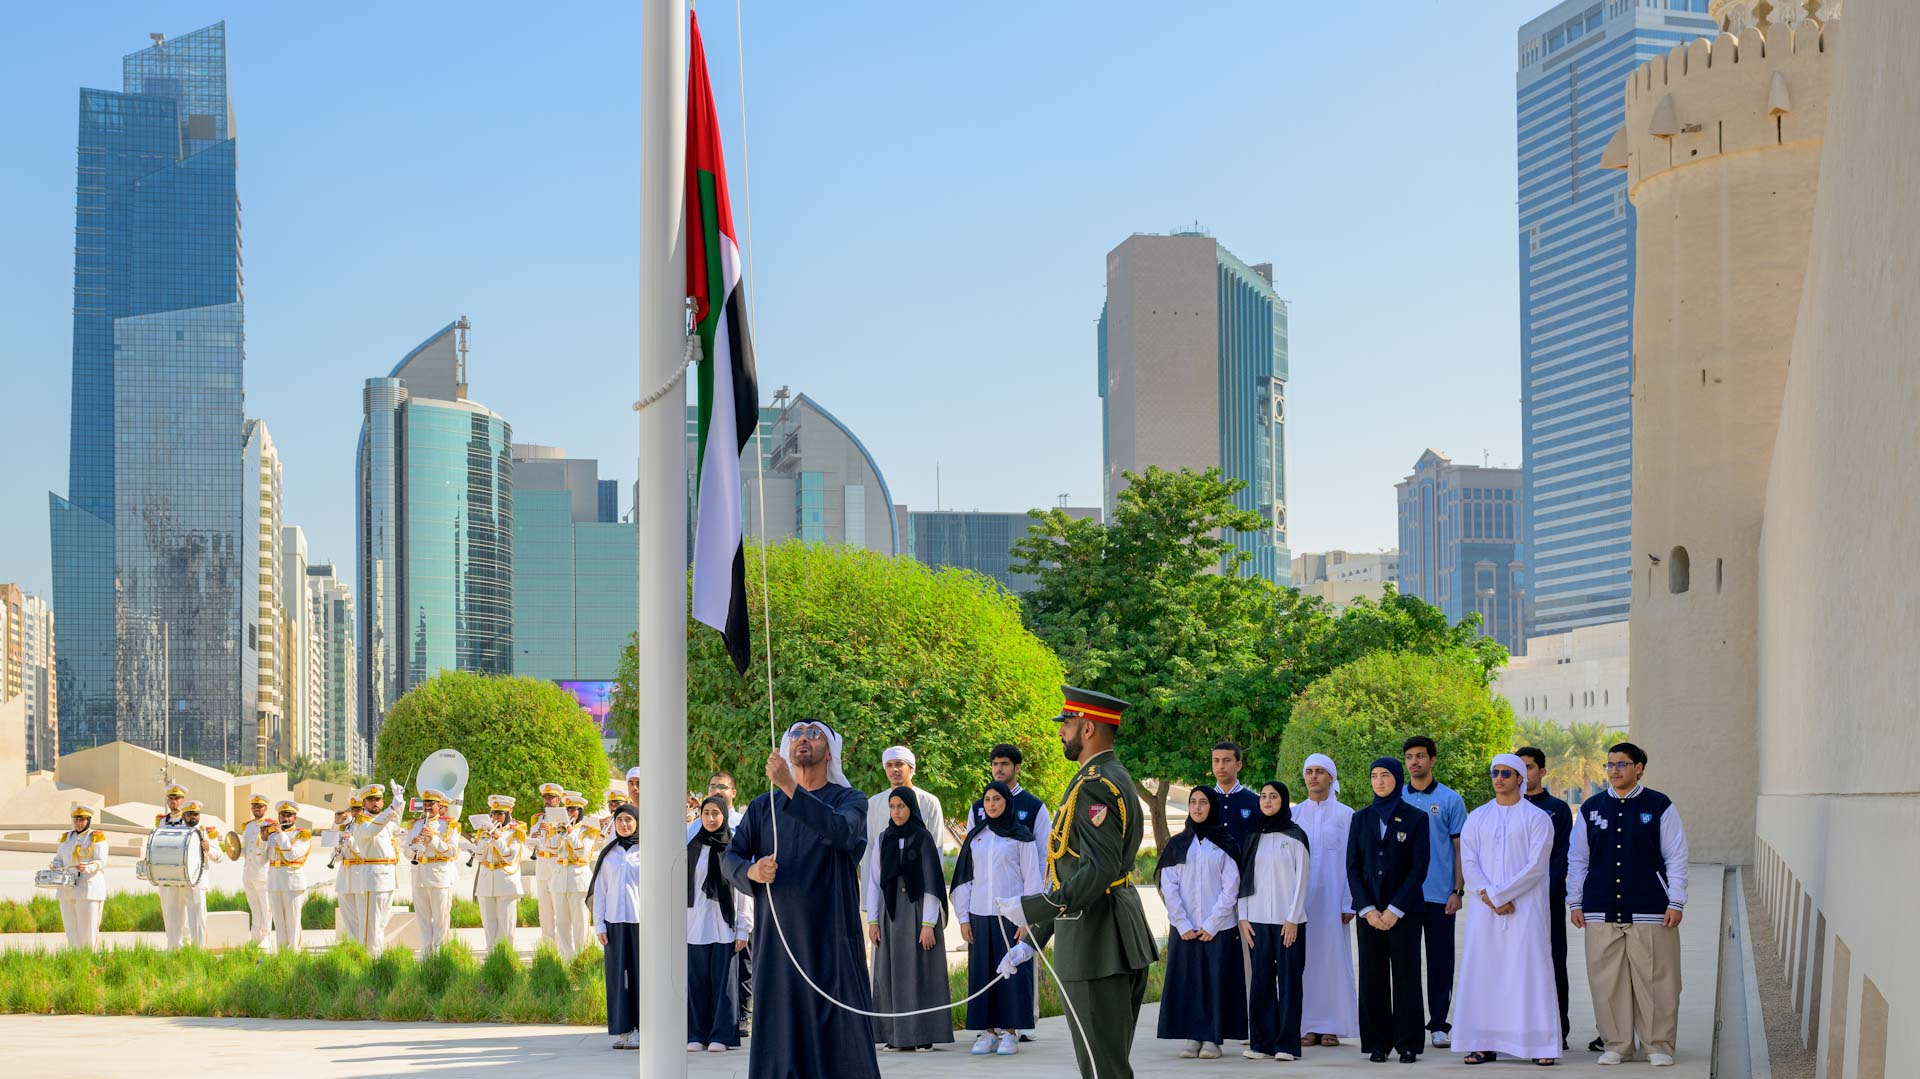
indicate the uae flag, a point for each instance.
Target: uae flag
{"x":728,"y":392}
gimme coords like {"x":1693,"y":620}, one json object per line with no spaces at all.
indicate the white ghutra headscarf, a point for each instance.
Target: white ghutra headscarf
{"x":1321,"y":760}
{"x":835,"y":774}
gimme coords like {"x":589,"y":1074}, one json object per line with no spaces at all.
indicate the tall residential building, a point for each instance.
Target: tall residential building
{"x":337,"y":691}
{"x":12,"y":641}
{"x":26,"y":620}
{"x":302,"y":648}
{"x":821,"y":485}
{"x":975,"y":540}
{"x":1576,"y":300}
{"x":1460,"y":543}
{"x":435,"y":504}
{"x":149,"y":547}
{"x":1192,"y":359}
{"x":266,"y":616}
{"x":574,"y":571}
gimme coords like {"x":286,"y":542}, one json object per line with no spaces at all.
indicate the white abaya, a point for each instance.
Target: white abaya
{"x":1505,"y":1001}
{"x":1331,"y":1004}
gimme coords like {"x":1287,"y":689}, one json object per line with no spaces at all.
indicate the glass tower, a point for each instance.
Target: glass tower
{"x":1460,"y":542}
{"x":149,"y":549}
{"x":978,"y":541}
{"x":1576,"y":300}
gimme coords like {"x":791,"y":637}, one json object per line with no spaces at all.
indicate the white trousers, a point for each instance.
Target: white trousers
{"x":184,"y":911}
{"x":543,"y":895}
{"x":260,"y":905}
{"x":376,"y":908}
{"x":497,"y":917}
{"x":352,"y":911}
{"x":286,"y":918}
{"x":433,"y":912}
{"x":81,"y":919}
{"x":570,"y":923}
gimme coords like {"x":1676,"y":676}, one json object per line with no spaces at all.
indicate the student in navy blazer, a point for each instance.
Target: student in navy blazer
{"x":1387,"y":847}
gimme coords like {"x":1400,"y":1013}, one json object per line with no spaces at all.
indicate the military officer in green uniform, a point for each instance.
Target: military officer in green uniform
{"x":1102,"y":947}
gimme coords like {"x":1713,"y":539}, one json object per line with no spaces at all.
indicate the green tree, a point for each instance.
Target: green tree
{"x":516,"y":734}
{"x":1152,"y":608}
{"x":888,"y":650}
{"x":1367,"y":708}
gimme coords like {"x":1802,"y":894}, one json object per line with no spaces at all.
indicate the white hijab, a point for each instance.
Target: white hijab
{"x":835,"y":774}
{"x":1321,"y":760}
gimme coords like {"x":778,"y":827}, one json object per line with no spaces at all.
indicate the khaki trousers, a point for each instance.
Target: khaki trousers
{"x":286,"y":919}
{"x":261,"y":908}
{"x":1634,"y":973}
{"x":81,"y":919}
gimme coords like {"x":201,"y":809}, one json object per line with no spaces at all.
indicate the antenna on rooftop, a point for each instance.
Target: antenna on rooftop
{"x":158,"y":39}
{"x":460,"y":363}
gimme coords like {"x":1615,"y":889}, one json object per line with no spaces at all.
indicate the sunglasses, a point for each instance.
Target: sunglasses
{"x":1505,"y":773}
{"x":811,"y":730}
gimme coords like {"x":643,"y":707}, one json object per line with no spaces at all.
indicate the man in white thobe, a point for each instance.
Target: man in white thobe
{"x":899,"y":764}
{"x":1506,"y":1001}
{"x":1331,"y":1010}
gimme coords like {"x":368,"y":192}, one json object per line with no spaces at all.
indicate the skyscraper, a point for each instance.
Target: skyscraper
{"x":149,"y":551}
{"x":1460,"y":542}
{"x":1192,"y":362}
{"x":574,"y":570}
{"x":979,"y":541}
{"x":435,"y":500}
{"x":302,"y":647}
{"x":336,"y":688}
{"x":265,"y":615}
{"x":1576,"y":300}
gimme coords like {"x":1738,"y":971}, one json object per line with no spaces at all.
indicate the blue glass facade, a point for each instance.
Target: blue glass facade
{"x":1576,"y":300}
{"x":1253,"y":375}
{"x":149,"y":548}
{"x":573,"y":584}
{"x":972,"y":540}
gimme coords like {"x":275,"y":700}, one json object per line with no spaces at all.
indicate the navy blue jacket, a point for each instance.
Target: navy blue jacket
{"x":1243,"y":808}
{"x":1388,"y":870}
{"x":1562,"y":815}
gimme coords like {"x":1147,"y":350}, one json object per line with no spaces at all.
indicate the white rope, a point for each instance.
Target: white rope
{"x":766,"y":606}
{"x":687,"y":359}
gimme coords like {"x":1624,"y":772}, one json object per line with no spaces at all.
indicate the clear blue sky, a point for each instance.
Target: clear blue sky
{"x":934,"y":193}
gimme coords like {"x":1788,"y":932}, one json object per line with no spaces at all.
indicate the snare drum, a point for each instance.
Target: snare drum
{"x":56,"y":878}
{"x":173,"y":856}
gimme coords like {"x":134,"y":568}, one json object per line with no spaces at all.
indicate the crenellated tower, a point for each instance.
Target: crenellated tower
{"x":1722,"y":145}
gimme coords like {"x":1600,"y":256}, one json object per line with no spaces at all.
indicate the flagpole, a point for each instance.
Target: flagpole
{"x":660,"y":527}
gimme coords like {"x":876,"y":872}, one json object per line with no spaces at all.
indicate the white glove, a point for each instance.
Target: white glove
{"x":1015,"y":956}
{"x":399,"y":795}
{"x":1011,"y":910}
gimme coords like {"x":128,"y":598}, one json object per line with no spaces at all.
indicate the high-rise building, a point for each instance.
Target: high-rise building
{"x":976,"y":540}
{"x":303,"y":647}
{"x":149,"y":548}
{"x":820,"y":483}
{"x":1576,"y":300}
{"x":337,"y":691}
{"x":574,"y":570}
{"x":27,"y":670}
{"x":266,"y":616}
{"x":435,"y":501}
{"x":12,"y":643}
{"x":1460,"y":542}
{"x":1192,"y":357}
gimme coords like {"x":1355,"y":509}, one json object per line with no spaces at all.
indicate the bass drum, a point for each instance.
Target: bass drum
{"x":173,"y":857}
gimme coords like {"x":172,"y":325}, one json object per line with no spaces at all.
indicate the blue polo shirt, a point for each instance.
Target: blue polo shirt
{"x":1446,"y":816}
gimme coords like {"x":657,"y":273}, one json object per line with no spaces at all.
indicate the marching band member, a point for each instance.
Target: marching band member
{"x":252,"y":850}
{"x":375,"y":836}
{"x":195,"y":904}
{"x":538,"y":832}
{"x":287,"y":845}
{"x":604,"y":823}
{"x":497,"y":887}
{"x":83,"y":849}
{"x":173,"y":897}
{"x":432,"y":845}
{"x":575,"y":844}
{"x":346,"y":910}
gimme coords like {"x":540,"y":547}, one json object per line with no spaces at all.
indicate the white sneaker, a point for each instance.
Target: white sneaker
{"x":984,"y":1044}
{"x":716,"y":1047}
{"x":1610,"y":1057}
{"x":1283,"y":1056}
{"x":1442,"y":1039}
{"x":1209,"y":1051}
{"x":1190,"y":1050}
{"x":1660,"y":1060}
{"x":1251,"y":1055}
{"x":696,"y":1047}
{"x":622,"y":1041}
{"x":1009,"y":1044}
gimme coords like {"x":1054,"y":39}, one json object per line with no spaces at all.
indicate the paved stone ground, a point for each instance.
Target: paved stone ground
{"x":111,"y":1046}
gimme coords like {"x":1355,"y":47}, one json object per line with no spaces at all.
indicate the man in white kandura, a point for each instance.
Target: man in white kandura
{"x":375,"y":836}
{"x":1506,"y":1001}
{"x":899,"y":763}
{"x":84,"y":849}
{"x":1330,"y":1009}
{"x":253,"y":868}
{"x":432,"y":844}
{"x":288,"y":845}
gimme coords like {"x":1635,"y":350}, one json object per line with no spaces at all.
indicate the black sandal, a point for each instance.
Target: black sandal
{"x":1478,"y":1057}
{"x":1544,"y":1062}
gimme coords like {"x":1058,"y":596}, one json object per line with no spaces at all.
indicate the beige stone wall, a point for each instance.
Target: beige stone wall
{"x":1163,"y":355}
{"x":1839,"y":696}
{"x":1722,"y":146}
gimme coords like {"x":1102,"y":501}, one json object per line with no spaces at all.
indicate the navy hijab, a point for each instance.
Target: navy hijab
{"x":1281,"y":823}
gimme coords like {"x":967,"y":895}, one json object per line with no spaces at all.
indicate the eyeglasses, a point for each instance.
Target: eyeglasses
{"x":1617,"y":766}
{"x":1505,"y":773}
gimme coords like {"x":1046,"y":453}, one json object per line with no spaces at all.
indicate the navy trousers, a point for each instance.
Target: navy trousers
{"x":1557,"y":913}
{"x":1273,"y":1013}
{"x":1436,"y":930}
{"x":621,"y":960}
{"x":713,"y":1008}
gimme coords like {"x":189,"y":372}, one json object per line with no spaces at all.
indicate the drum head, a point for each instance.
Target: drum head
{"x":194,"y":863}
